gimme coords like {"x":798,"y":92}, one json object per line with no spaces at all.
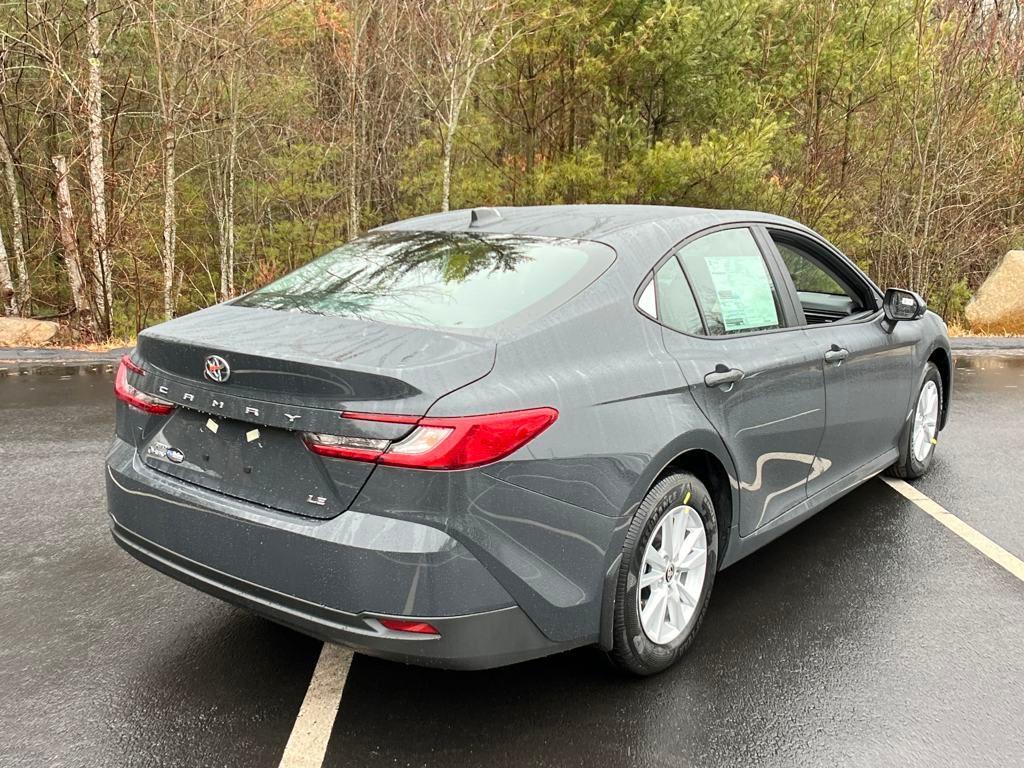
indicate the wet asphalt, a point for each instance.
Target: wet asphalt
{"x":868,"y":636}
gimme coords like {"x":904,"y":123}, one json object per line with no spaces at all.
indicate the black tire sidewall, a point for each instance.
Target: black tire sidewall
{"x":665,"y":496}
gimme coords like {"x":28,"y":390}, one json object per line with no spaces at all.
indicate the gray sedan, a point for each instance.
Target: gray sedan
{"x":478,"y":437}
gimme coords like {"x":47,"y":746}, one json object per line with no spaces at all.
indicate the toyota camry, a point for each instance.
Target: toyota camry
{"x":478,"y":437}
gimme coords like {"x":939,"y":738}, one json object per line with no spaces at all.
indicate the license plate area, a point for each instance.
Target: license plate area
{"x":256,"y":463}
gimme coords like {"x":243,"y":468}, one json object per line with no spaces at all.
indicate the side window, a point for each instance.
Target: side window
{"x":824,"y":296}
{"x":646,"y":302}
{"x":806,"y":274}
{"x":676,"y":307}
{"x":732,"y":283}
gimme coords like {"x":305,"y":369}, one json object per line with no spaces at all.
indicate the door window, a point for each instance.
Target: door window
{"x":806,"y":274}
{"x":824,"y":295}
{"x":734,"y":289}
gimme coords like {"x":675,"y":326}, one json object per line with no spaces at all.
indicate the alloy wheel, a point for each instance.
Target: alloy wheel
{"x":672,"y":574}
{"x":926,"y":421}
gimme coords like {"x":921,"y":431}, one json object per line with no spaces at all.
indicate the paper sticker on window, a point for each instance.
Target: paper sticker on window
{"x":744,"y":291}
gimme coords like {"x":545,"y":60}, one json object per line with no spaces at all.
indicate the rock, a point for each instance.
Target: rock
{"x":17,"y":331}
{"x":998,"y":306}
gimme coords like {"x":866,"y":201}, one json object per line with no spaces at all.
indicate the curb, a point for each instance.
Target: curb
{"x":51,"y":356}
{"x":986,"y":343}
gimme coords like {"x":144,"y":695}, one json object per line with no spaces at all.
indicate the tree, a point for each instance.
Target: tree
{"x":365,"y":95}
{"x":180,"y":71}
{"x":83,"y":309}
{"x":236,"y":32}
{"x":22,"y":299}
{"x":229,"y":24}
{"x":99,"y":244}
{"x":8,"y":297}
{"x":210,"y":145}
{"x":459,"y":37}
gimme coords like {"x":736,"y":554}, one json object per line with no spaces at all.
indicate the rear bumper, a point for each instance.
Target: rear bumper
{"x":331,"y":579}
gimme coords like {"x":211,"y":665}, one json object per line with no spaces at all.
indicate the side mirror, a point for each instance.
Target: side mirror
{"x":900,"y":304}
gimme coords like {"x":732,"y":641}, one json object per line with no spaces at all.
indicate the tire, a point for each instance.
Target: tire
{"x":912,"y":463}
{"x":685,"y":498}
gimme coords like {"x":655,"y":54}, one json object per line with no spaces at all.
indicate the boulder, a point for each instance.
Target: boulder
{"x":998,"y":306}
{"x":18,"y":331}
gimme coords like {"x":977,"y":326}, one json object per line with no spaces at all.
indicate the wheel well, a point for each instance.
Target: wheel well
{"x":709,"y":470}
{"x":941,"y":360}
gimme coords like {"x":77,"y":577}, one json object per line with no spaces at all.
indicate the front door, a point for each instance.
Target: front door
{"x":758,"y":381}
{"x":868,"y":372}
{"x":868,"y":393}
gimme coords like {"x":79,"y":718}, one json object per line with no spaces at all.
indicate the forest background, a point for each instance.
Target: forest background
{"x":158,"y":156}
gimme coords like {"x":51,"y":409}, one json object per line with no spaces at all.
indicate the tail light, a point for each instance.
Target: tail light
{"x":467,"y":441}
{"x":457,"y":442}
{"x":340,"y":447}
{"x":126,"y":393}
{"x":404,"y":625}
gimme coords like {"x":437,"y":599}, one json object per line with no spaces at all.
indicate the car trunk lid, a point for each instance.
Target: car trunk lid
{"x":288,"y":373}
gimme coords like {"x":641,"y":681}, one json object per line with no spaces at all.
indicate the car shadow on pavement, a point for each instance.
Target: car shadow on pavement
{"x":776,"y":622}
{"x":220,"y":688}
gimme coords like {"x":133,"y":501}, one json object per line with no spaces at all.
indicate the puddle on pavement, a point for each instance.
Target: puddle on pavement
{"x":28,"y":385}
{"x":990,"y":374}
{"x":64,"y":372}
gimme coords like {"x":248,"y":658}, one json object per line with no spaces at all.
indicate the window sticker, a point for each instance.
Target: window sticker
{"x":744,"y":291}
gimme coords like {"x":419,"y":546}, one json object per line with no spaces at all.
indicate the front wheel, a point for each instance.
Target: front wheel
{"x":921,"y":435}
{"x":669,"y":562}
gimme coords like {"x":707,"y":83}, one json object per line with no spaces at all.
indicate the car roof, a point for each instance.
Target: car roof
{"x":640,"y":228}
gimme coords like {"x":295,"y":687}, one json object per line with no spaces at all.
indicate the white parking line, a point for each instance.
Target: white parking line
{"x":307,"y":744}
{"x":979,"y":541}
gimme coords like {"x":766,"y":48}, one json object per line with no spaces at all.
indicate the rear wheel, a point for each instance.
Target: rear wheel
{"x":669,"y":562}
{"x":921,"y":435}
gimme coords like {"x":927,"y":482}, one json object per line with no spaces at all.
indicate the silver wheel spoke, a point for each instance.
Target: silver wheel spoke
{"x":695,"y":558}
{"x":675,"y":610}
{"x":666,"y":539}
{"x":690,"y":596}
{"x":683,"y":597}
{"x":651,"y":577}
{"x":676,"y":529}
{"x":655,"y":603}
{"x":655,"y":559}
{"x":661,"y":610}
{"x":692,"y":537}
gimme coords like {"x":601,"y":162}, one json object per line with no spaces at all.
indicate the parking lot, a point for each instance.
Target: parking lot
{"x":871,"y":635}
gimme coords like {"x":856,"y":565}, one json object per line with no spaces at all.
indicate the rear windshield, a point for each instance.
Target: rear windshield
{"x":456,"y":280}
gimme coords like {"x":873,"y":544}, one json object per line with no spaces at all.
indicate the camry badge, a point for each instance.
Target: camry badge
{"x":217,"y":369}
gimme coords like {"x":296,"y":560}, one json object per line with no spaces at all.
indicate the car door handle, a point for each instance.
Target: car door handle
{"x":836,"y":355}
{"x":723,"y":375}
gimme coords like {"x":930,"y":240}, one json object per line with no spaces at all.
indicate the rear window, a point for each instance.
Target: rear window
{"x":457,"y":280}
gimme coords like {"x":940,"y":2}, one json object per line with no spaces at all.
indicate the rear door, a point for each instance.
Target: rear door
{"x":868,"y":372}
{"x":728,"y":326}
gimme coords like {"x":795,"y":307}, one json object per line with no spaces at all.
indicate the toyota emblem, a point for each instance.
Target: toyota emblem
{"x":217,"y":369}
